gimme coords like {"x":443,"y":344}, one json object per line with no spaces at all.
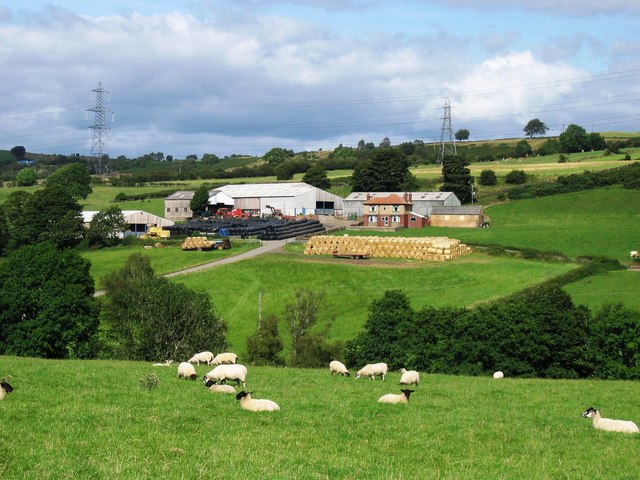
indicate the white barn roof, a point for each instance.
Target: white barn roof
{"x":415,"y":196}
{"x":264,"y":190}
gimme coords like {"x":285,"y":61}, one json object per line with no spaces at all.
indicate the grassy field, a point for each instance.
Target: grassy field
{"x":611,"y":287}
{"x":91,"y":419}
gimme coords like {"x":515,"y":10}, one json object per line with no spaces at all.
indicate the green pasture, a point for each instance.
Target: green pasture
{"x":350,"y":287}
{"x":92,"y":420}
{"x":607,"y":288}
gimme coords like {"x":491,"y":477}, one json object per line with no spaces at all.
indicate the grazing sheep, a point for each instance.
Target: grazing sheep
{"x":256,"y":405}
{"x":409,"y":377}
{"x":225,"y":358}
{"x":396,"y":398}
{"x":213,"y":387}
{"x":5,"y":388}
{"x":223,"y":373}
{"x":371,"y":370}
{"x":498,"y":375}
{"x":338,"y":367}
{"x":202,"y":357}
{"x":608,"y":424}
{"x":166,"y":363}
{"x":186,"y":370}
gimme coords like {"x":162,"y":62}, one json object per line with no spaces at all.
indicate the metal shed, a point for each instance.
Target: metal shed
{"x":139,"y":221}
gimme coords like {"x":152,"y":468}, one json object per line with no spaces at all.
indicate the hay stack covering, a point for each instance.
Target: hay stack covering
{"x":421,"y":248}
{"x":197,"y":243}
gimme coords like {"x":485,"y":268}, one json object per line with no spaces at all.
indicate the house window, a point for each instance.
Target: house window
{"x":372,"y":208}
{"x":176,"y":209}
{"x":385,"y":220}
{"x":414,"y":219}
{"x":373,"y":218}
{"x":396,"y":208}
{"x":168,"y":209}
{"x":185,"y":209}
{"x":395,"y":219}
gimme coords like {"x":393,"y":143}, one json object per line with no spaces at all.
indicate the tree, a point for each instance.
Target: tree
{"x":488,"y":177}
{"x":573,"y":139}
{"x":522,"y":149}
{"x":386,"y":142}
{"x":317,"y":176}
{"x":19,"y":152}
{"x":516,"y":177}
{"x":106,"y":227}
{"x":301,"y":315}
{"x":75,"y":178}
{"x":149,"y":318}
{"x":276,"y":156}
{"x":264,"y":347}
{"x":26,"y":177}
{"x":457,"y":177}
{"x":200,"y":200}
{"x":387,"y":170}
{"x":47,"y":307}
{"x":535,"y":127}
{"x":208,"y":159}
{"x":462,"y":134}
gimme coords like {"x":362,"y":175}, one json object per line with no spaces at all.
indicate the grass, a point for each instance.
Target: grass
{"x":611,"y":287}
{"x":91,"y":419}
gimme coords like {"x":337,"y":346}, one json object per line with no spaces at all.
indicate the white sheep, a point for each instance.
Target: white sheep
{"x":215,"y":388}
{"x":202,"y":357}
{"x":223,"y":373}
{"x":186,"y":370}
{"x":409,"y":377}
{"x":338,"y":367}
{"x":608,"y":424}
{"x":498,"y":375}
{"x":256,"y":405}
{"x":396,"y":398}
{"x":166,"y":363}
{"x":225,"y":358}
{"x":5,"y":388}
{"x":371,"y":370}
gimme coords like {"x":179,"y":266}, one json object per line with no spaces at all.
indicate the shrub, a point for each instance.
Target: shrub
{"x":149,"y":382}
{"x":516,"y":177}
{"x":488,"y":177}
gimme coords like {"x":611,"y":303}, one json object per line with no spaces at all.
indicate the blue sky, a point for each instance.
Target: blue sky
{"x":223,"y":77}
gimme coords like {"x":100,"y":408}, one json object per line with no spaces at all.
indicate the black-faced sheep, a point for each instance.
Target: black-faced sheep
{"x":256,"y":405}
{"x":609,"y":424}
{"x":215,"y":388}
{"x":396,"y":398}
{"x":202,"y":357}
{"x":409,"y":377}
{"x":186,"y":370}
{"x":5,"y":388}
{"x":338,"y":367}
{"x":225,"y":358}
{"x":223,"y":373}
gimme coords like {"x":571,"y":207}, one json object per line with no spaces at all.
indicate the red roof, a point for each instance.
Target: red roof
{"x":392,"y":199}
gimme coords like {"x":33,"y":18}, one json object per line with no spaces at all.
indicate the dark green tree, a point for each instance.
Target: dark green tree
{"x":386,"y":142}
{"x":462,"y":134}
{"x":149,"y":318}
{"x":457,"y":177}
{"x":19,"y":152}
{"x":106,"y":227}
{"x":75,"y":178}
{"x":488,"y":177}
{"x":535,"y":127}
{"x":523,"y":149}
{"x":26,"y":177}
{"x":317,"y":176}
{"x":573,"y":139}
{"x":301,"y":315}
{"x":47,"y":307}
{"x":207,"y":158}
{"x":387,"y":170}
{"x":276,"y":156}
{"x":516,"y":177}
{"x":264,"y":347}
{"x":200,"y":200}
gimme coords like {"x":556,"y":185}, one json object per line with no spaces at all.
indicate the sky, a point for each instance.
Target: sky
{"x":189,"y":77}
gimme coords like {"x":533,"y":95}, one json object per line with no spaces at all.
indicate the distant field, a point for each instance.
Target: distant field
{"x":91,"y":420}
{"x":611,"y":287}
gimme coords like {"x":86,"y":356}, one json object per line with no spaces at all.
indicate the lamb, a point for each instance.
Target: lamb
{"x":338,"y":367}
{"x":409,"y":377}
{"x":204,"y":357}
{"x":608,"y":424}
{"x":371,"y":370}
{"x":222,"y":373}
{"x":396,"y":398}
{"x":186,"y":370}
{"x":498,"y":375}
{"x":225,"y":358}
{"x":215,"y":388}
{"x":5,"y":389}
{"x":256,"y":405}
{"x":166,"y":363}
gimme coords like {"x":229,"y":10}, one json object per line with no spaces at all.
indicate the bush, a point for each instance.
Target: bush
{"x":516,"y":177}
{"x":488,"y":177}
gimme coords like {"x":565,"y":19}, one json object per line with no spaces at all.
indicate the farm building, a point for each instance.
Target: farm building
{"x":263,"y":198}
{"x":392,"y":211}
{"x":468,"y":216}
{"x":138,"y":221}
{"x":176,"y":206}
{"x":422,"y":202}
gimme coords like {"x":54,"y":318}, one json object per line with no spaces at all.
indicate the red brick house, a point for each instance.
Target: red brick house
{"x":392,"y":211}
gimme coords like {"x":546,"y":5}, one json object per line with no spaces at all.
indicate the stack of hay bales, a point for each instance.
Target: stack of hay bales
{"x":197,"y":243}
{"x":421,"y":248}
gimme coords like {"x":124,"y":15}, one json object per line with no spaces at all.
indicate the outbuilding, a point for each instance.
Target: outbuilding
{"x":421,"y":202}
{"x":139,"y":221}
{"x":176,"y":205}
{"x":467,"y":216}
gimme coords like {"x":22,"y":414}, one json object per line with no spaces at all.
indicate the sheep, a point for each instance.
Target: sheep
{"x":409,"y":377}
{"x":166,"y":363}
{"x":225,"y":358}
{"x":371,"y":370}
{"x":498,"y":375}
{"x":396,"y":398}
{"x":204,"y":357}
{"x":5,"y":388}
{"x":213,"y":387}
{"x":186,"y":370}
{"x":256,"y":405}
{"x":338,"y":367}
{"x":222,"y":373}
{"x":608,"y":424}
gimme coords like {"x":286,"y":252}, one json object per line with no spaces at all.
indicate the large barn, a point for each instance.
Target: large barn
{"x":261,"y":198}
{"x":422,"y":202}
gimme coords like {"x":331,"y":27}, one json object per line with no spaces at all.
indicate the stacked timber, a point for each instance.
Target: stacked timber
{"x":421,"y":248}
{"x":197,"y":243}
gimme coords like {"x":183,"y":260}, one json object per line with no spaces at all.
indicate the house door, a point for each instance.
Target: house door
{"x":386,"y":221}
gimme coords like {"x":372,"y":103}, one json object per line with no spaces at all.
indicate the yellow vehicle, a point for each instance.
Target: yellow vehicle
{"x":156,"y":232}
